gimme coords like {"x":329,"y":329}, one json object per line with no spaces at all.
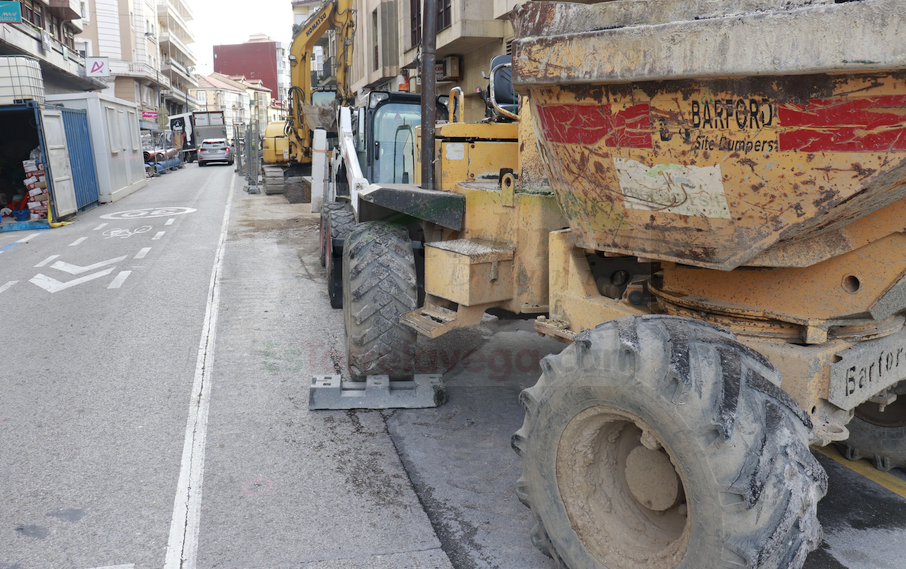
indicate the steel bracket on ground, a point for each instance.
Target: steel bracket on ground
{"x":377,"y":392}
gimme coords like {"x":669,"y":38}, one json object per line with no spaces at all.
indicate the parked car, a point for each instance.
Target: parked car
{"x":215,"y":150}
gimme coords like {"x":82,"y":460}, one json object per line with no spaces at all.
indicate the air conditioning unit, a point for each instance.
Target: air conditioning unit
{"x":452,"y":68}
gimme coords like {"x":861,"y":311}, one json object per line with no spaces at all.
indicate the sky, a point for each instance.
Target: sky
{"x":233,"y":21}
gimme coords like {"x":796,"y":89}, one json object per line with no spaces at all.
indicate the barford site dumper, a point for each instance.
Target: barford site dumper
{"x":719,"y":237}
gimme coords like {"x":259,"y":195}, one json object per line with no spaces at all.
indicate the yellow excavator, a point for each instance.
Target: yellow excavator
{"x":293,"y":142}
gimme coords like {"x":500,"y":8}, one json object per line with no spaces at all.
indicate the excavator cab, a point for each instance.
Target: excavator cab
{"x":501,"y":101}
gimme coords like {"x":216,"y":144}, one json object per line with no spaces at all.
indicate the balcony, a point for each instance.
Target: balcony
{"x":169,"y":42}
{"x":170,"y":66}
{"x":172,"y":20}
{"x":139,"y":70}
{"x":175,"y":7}
{"x":181,"y":97}
{"x":65,"y":9}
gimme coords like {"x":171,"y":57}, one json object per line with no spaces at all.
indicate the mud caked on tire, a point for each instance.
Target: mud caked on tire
{"x":879,"y":436}
{"x":339,"y":223}
{"x":660,"y":442}
{"x":379,"y":286}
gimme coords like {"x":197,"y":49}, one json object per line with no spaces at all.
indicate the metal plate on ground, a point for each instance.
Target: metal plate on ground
{"x":377,"y":392}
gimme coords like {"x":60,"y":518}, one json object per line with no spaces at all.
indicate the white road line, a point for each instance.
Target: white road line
{"x":77,"y":241}
{"x":77,"y":270}
{"x":120,"y":279}
{"x":158,"y":236}
{"x":7,"y":286}
{"x":26,"y":239}
{"x":182,"y":546}
{"x":141,"y":254}
{"x":170,"y":221}
{"x":101,"y":226}
{"x":47,"y":260}
{"x":52,"y":285}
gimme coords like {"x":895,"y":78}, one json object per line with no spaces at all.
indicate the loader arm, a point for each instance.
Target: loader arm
{"x":333,"y":14}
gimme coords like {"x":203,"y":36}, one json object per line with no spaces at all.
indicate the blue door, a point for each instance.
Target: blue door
{"x":81,"y":157}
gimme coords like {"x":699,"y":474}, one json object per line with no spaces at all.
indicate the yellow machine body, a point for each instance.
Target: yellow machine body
{"x":275,"y":148}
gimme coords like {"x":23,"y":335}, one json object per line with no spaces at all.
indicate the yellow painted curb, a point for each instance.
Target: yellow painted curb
{"x":865,"y":469}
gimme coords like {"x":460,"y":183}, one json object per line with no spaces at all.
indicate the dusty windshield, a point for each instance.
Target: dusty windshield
{"x":394,"y":135}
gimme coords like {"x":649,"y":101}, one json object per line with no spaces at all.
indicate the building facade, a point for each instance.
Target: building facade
{"x":218,"y":93}
{"x":47,"y":33}
{"x":260,"y":58}
{"x":469,"y":34}
{"x":131,"y":36}
{"x":177,"y":58}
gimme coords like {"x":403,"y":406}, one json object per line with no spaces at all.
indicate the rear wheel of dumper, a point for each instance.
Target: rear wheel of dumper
{"x":339,"y":224}
{"x":379,"y":286}
{"x":661,"y":442}
{"x":326,"y":209}
{"x":879,"y":436}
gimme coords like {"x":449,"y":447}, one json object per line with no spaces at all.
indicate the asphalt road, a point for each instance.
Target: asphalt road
{"x":154,"y":408}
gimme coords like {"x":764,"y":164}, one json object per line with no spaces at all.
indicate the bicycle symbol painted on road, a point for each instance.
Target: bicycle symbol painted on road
{"x":149,"y":212}
{"x":126,"y":233}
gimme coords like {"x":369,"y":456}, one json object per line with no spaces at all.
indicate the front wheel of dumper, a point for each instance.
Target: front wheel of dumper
{"x":662,"y":443}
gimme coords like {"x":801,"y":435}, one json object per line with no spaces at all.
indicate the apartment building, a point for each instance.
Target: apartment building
{"x":469,"y":34}
{"x":260,"y":58}
{"x":47,"y":33}
{"x":131,"y":35}
{"x":217,"y":92}
{"x":177,"y":58}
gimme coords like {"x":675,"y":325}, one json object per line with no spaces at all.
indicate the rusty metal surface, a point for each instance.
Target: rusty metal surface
{"x":560,"y":43}
{"x":714,"y":173}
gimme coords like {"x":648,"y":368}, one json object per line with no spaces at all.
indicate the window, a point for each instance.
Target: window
{"x":133,"y":120}
{"x":33,"y":13}
{"x":374,"y":40}
{"x":415,"y":18}
{"x":84,"y":10}
{"x":444,"y":14}
{"x":113,"y":130}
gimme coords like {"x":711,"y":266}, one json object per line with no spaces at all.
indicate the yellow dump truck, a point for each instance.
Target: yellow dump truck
{"x":706,"y":200}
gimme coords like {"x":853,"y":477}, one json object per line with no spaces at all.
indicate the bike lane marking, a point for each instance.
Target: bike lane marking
{"x":77,"y":241}
{"x":21,"y":241}
{"x":120,"y":279}
{"x":141,"y":254}
{"x":45,"y":261}
{"x":7,"y":286}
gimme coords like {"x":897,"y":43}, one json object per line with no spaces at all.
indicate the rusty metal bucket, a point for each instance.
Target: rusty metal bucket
{"x":714,"y":136}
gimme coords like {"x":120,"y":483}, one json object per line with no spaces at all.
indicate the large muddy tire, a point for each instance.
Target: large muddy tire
{"x":661,"y":442}
{"x":379,"y":286}
{"x":339,"y":224}
{"x":326,"y":209}
{"x":879,"y":436}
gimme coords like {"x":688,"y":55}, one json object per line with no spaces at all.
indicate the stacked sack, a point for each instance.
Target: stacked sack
{"x":36,"y":184}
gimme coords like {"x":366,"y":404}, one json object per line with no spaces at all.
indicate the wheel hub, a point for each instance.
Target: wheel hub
{"x":652,"y":479}
{"x":622,"y":492}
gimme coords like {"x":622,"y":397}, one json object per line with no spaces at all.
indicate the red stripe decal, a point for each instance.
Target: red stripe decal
{"x":876,"y":124}
{"x":587,"y":124}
